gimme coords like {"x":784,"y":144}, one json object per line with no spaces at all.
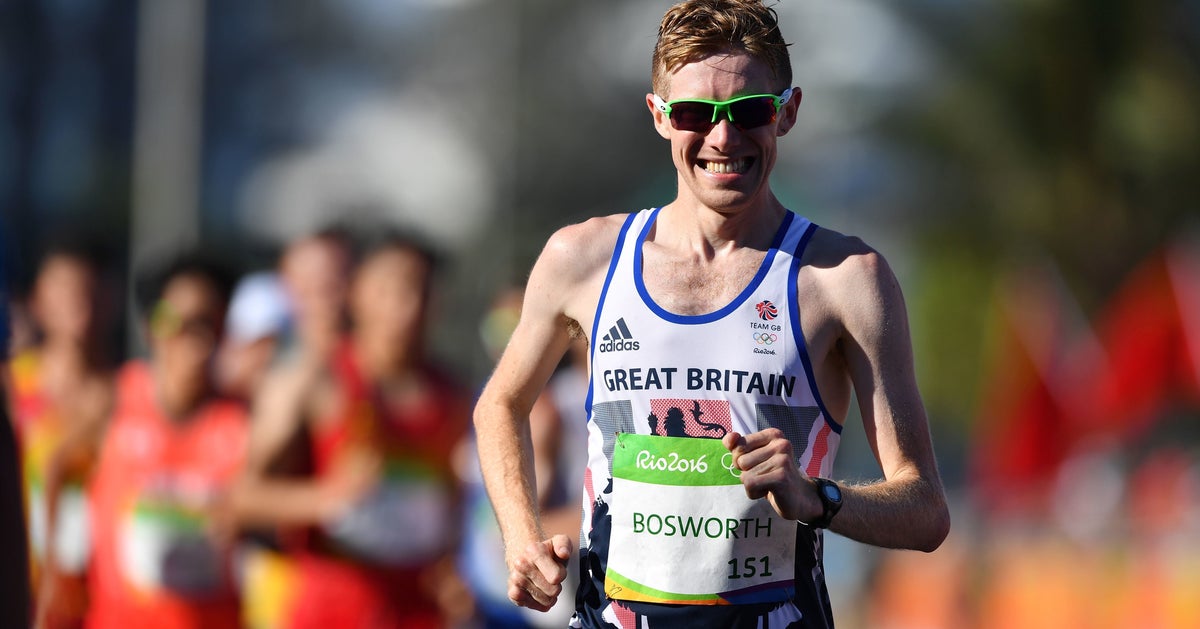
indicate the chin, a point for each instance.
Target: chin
{"x":726,"y":201}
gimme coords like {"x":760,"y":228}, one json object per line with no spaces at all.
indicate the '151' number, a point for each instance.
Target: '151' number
{"x":750,"y":567}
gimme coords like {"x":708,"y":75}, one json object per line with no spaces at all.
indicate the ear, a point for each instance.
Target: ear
{"x":662,"y":124}
{"x":787,"y":115}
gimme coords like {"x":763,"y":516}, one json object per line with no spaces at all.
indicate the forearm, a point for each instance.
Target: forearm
{"x":506,"y":459}
{"x":280,"y":502}
{"x":907,"y":513}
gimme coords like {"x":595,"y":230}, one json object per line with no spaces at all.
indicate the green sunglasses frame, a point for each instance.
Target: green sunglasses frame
{"x":720,"y":106}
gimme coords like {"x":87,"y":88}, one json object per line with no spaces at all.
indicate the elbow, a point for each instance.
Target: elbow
{"x":937,"y":528}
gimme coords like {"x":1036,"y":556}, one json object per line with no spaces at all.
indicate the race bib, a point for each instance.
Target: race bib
{"x":684,"y":532}
{"x":404,"y":521}
{"x":72,"y":541}
{"x":165,"y":547}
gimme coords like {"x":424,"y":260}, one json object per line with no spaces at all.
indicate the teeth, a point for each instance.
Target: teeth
{"x":736,"y":166}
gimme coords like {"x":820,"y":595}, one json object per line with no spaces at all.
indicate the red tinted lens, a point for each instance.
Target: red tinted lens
{"x":692,"y":116}
{"x":753,"y":112}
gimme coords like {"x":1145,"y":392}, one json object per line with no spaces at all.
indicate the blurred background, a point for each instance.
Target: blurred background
{"x":1030,"y":168}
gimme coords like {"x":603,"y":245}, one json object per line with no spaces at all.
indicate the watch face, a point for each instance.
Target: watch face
{"x":831,"y":492}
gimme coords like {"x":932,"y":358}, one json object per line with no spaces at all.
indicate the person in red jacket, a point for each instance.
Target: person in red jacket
{"x":170,"y":452}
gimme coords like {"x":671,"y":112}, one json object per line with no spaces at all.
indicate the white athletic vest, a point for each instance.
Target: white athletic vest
{"x":743,"y":368}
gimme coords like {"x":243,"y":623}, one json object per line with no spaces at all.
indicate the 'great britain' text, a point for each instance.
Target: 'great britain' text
{"x":733,"y":380}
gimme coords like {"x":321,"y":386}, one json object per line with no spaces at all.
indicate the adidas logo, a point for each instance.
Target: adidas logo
{"x":618,"y":339}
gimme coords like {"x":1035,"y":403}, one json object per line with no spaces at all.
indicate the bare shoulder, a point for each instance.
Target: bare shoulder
{"x":292,"y":388}
{"x":580,"y":248}
{"x":852,"y":278}
{"x":569,"y":274}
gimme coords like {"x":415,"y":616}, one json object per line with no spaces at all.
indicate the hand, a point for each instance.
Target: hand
{"x":769,"y":469}
{"x":221,"y":519}
{"x":535,"y":576}
{"x":353,"y":475}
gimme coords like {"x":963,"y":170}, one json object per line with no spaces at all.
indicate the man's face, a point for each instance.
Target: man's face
{"x":315,"y":272}
{"x":388,"y":297}
{"x":725,"y":169}
{"x":185,"y":328}
{"x":64,"y":298}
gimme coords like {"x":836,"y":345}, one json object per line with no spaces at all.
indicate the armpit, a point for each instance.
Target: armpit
{"x":575,"y":330}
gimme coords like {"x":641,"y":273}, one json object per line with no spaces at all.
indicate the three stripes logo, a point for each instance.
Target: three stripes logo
{"x":618,"y":339}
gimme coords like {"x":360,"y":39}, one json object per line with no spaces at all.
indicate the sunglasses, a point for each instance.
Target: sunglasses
{"x":744,"y":112}
{"x":166,"y":322}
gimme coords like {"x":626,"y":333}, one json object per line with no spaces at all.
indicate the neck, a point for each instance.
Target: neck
{"x":689,"y":224}
{"x":178,"y":400}
{"x":66,"y":351}
{"x":64,"y":364}
{"x":382,"y":361}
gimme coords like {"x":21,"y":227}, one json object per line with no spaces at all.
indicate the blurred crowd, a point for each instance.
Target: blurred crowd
{"x":286,"y":453}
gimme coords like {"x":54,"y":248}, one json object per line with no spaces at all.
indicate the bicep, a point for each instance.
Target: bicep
{"x":542,"y":335}
{"x":276,"y":418}
{"x":880,"y":361}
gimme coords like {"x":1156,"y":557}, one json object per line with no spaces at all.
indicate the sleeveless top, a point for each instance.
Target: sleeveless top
{"x":41,"y":429}
{"x":154,"y":561}
{"x":372,"y":565}
{"x":742,"y":368}
{"x":406,"y":521}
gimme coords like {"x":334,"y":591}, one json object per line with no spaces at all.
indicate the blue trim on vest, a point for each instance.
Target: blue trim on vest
{"x":801,"y":346}
{"x":640,"y":283}
{"x":612,"y":269}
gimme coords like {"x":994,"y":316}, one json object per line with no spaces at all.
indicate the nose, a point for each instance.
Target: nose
{"x":723,"y":133}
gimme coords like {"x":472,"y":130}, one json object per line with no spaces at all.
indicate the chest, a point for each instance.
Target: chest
{"x":693,"y":285}
{"x":205,"y":452}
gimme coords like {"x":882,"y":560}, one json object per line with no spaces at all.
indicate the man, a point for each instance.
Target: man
{"x":377,"y":511}
{"x":62,"y":395}
{"x":314,"y":270}
{"x":720,"y":314}
{"x":172,"y":449}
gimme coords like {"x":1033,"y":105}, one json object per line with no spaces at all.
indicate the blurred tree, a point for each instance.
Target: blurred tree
{"x":1060,"y":127}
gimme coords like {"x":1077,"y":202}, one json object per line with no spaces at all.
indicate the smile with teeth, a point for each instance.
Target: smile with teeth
{"x":733,"y":166}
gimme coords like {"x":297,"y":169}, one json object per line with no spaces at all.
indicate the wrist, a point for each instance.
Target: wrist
{"x":829,"y":494}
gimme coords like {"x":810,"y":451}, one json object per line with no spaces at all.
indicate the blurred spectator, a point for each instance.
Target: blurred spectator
{"x":379,"y":509}
{"x":558,"y":427}
{"x":314,"y":272}
{"x":62,"y":395}
{"x":255,"y":328}
{"x":173,"y":447}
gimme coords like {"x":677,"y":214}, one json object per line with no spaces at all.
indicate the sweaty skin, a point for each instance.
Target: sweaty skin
{"x":702,"y":251}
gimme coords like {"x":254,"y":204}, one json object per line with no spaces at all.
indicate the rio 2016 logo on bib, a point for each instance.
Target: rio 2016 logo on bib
{"x":684,"y":532}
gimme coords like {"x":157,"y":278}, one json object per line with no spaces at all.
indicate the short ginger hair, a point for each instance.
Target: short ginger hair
{"x":696,"y":29}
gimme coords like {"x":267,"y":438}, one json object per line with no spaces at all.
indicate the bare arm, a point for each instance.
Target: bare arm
{"x":74,"y":457}
{"x":557,"y":286}
{"x":263,"y":498}
{"x":907,"y":509}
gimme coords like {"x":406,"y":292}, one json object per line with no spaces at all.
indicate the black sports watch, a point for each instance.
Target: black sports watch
{"x":831,"y":499}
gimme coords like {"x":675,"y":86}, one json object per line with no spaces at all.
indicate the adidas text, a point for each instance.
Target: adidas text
{"x":619,"y":346}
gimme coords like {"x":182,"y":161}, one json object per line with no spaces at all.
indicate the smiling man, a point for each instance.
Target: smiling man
{"x":727,"y":337}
